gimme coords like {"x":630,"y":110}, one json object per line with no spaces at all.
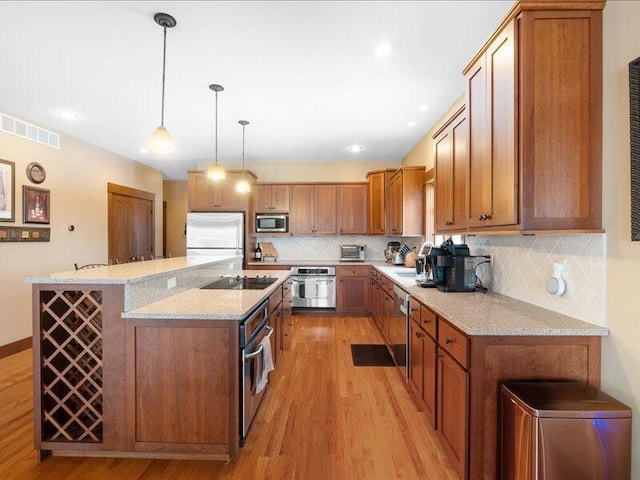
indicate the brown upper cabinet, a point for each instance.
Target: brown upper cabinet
{"x":313,"y":209}
{"x":352,"y":209}
{"x":534,"y":106}
{"x":271,"y":198}
{"x":406,"y":202}
{"x":205,"y":195}
{"x":451,"y":165}
{"x":378,"y":201}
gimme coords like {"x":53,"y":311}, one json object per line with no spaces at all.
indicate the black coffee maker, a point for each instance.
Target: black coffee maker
{"x":453,"y":268}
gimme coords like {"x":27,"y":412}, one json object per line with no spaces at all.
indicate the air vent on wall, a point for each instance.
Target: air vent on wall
{"x":30,"y":132}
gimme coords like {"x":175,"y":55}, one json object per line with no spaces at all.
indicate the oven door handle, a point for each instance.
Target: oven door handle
{"x":261,"y":347}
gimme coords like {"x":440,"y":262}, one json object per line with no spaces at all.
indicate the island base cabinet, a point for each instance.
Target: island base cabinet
{"x":182,"y":387}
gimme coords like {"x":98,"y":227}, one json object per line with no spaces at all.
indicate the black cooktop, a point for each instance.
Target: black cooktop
{"x":240,"y":283}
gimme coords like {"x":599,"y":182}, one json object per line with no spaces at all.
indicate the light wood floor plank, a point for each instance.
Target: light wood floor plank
{"x":322,"y":419}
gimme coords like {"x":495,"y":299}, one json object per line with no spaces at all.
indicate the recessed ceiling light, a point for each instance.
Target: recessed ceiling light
{"x":143,"y":150}
{"x":411,"y":124}
{"x":355,"y":148}
{"x":383,"y":49}
{"x":423,"y":108}
{"x":67,"y":114}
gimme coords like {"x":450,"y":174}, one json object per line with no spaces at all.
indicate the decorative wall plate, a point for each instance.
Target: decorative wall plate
{"x":36,"y":172}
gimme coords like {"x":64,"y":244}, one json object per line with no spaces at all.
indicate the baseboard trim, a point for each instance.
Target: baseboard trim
{"x":15,"y":347}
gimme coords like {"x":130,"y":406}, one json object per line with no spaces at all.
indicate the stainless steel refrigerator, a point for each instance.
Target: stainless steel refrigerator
{"x":215,"y":234}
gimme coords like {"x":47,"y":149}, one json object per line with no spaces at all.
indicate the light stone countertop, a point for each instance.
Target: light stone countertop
{"x":324,"y":263}
{"x":490,"y":313}
{"x":127,"y":272}
{"x":201,"y":304}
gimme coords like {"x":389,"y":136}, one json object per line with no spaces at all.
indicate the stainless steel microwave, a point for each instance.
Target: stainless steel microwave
{"x":272,"y":222}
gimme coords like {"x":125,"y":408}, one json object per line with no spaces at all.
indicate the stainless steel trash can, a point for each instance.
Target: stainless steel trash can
{"x":563,"y":430}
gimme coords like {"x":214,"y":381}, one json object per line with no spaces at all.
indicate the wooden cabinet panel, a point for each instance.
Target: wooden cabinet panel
{"x":534,"y":101}
{"x":130,"y":224}
{"x":428,"y":321}
{"x":451,"y":165}
{"x":491,"y":95}
{"x":395,"y":189}
{"x":206,"y":195}
{"x":406,"y":203}
{"x":313,"y":210}
{"x":352,"y":295}
{"x":453,"y":395}
{"x":302,"y":219}
{"x":271,"y":198}
{"x":416,"y":359}
{"x":166,"y":410}
{"x":454,"y":342}
{"x":377,"y":204}
{"x":561,"y":133}
{"x":430,"y":369}
{"x":326,"y":201}
{"x":287,"y":319}
{"x":352,"y":209}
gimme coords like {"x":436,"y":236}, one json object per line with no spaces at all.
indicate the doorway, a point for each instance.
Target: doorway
{"x":131,"y":224}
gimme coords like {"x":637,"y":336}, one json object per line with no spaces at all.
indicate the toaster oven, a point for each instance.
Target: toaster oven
{"x":352,"y":253}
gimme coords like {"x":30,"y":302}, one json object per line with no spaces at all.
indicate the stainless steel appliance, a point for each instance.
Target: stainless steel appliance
{"x":313,"y":287}
{"x":272,"y":222}
{"x":392,"y":249}
{"x":457,"y":266}
{"x":558,"y":430}
{"x":399,"y":329}
{"x":252,"y":331}
{"x":215,"y":234}
{"x":240,"y":283}
{"x":352,"y":253}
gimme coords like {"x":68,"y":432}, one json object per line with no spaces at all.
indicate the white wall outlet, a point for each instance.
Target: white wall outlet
{"x":231,"y":266}
{"x":171,"y":283}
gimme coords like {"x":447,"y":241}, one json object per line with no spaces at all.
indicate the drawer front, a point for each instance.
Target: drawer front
{"x":454,"y":342}
{"x":428,"y":321}
{"x":286,"y":288}
{"x":352,"y":271}
{"x":414,"y":310}
{"x":275,"y":299}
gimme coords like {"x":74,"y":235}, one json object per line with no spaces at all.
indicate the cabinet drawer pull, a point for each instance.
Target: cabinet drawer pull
{"x":448,"y":223}
{"x":425,"y":321}
{"x":418,"y":335}
{"x":448,"y":341}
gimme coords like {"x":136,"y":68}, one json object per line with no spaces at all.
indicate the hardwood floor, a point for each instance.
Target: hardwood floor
{"x":322,"y":419}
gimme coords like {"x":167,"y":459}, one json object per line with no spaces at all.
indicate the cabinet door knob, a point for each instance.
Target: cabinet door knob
{"x":448,"y":341}
{"x":425,"y":321}
{"x":448,"y":223}
{"x":418,"y":335}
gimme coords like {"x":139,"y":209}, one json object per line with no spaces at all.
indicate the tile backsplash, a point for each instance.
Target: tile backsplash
{"x":328,"y":248}
{"x":521,"y":266}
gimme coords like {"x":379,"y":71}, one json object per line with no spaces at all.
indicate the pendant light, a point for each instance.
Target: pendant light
{"x":216,"y":170}
{"x":243,"y":185}
{"x":161,"y":140}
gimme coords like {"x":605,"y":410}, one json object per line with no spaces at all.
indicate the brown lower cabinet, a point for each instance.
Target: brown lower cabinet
{"x":352,"y":295}
{"x":456,"y":379}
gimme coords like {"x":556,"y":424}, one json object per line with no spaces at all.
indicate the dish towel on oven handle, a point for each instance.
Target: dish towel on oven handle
{"x":266,"y":364}
{"x":310,"y":288}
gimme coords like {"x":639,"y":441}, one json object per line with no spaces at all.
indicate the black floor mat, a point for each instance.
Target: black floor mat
{"x":371,"y":356}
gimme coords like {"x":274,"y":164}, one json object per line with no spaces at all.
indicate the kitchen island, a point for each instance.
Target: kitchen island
{"x":136,"y":360}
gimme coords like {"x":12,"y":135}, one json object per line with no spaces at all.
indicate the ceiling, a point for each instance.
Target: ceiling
{"x":304,"y":74}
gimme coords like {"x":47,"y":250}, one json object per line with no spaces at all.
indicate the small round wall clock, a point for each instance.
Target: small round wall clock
{"x":36,"y":172}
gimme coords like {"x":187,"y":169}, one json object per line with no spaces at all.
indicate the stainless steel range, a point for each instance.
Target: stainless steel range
{"x":313,"y":287}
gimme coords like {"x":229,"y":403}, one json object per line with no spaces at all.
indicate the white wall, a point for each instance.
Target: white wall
{"x":621,"y":350}
{"x":77,"y":176}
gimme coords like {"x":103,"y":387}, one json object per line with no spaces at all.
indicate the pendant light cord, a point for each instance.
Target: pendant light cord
{"x":216,"y":126}
{"x":164,"y":61}
{"x":243,"y":126}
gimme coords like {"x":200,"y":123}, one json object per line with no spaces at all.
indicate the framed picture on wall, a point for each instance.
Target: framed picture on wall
{"x":35,"y":205}
{"x":7,"y":191}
